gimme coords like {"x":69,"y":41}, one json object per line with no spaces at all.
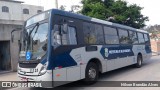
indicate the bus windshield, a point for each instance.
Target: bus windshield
{"x":35,"y":41}
{"x":34,"y":37}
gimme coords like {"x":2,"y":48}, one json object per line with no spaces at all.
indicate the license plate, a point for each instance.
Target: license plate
{"x":24,"y":79}
{"x":31,"y":70}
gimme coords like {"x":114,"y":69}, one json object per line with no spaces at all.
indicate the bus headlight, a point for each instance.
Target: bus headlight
{"x":43,"y":69}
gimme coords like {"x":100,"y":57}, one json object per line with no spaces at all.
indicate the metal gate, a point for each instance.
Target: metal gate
{"x":5,"y":60}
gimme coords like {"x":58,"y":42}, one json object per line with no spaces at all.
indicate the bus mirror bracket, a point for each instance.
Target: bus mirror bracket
{"x":12,"y":36}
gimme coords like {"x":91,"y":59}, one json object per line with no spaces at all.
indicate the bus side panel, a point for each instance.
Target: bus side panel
{"x":141,"y":49}
{"x":59,"y":77}
{"x":110,"y":64}
{"x":117,"y":56}
{"x":148,"y":51}
{"x":126,"y":61}
{"x":82,"y":57}
{"x":73,"y":73}
{"x":82,"y":72}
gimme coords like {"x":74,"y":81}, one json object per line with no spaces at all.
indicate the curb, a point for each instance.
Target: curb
{"x":4,"y":72}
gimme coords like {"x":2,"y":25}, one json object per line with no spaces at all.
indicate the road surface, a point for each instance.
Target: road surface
{"x":150,"y":71}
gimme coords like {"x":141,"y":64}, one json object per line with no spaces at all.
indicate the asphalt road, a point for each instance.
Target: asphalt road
{"x":150,"y":71}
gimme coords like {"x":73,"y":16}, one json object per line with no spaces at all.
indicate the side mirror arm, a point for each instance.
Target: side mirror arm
{"x":12,"y":36}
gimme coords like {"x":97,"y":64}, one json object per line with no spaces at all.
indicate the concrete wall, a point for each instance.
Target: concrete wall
{"x":33,"y":10}
{"x":155,"y":45}
{"x":5,"y":31}
{"x":5,"y":35}
{"x":11,"y":20}
{"x":16,"y":11}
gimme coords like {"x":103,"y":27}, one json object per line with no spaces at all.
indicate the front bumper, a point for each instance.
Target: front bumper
{"x":45,"y":80}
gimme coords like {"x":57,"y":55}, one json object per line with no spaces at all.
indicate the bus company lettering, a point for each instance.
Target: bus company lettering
{"x":107,"y":52}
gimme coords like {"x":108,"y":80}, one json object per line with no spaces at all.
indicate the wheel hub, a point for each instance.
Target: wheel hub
{"x":140,"y":62}
{"x":92,"y":73}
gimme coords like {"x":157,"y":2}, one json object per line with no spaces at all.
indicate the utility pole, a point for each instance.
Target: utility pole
{"x":56,"y":3}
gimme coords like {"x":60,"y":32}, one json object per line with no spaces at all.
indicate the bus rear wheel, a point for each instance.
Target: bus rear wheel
{"x":139,"y":61}
{"x":91,"y":73}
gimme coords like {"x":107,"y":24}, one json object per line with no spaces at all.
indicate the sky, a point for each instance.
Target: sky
{"x":151,"y":8}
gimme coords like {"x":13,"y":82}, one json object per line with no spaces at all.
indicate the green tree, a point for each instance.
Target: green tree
{"x":116,"y":11}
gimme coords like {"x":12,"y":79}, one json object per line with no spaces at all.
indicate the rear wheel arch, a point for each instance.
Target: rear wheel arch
{"x":92,"y":72}
{"x":139,"y":60}
{"x":140,"y":54}
{"x":97,"y":62}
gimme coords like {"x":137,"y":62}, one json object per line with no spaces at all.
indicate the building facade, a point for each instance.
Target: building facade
{"x":155,"y":42}
{"x":12,"y":15}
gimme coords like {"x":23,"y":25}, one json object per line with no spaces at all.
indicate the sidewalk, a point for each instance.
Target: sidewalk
{"x":155,"y":53}
{"x":4,"y":72}
{"x":8,"y":76}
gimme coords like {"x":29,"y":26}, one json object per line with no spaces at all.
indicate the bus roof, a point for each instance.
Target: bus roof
{"x":86,"y":18}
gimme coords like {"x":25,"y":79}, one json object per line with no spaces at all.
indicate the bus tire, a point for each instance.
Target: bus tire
{"x":139,"y":61}
{"x":91,"y":73}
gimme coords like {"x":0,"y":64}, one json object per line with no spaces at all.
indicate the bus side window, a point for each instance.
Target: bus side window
{"x":111,"y":36}
{"x":140,"y":38}
{"x":133,"y":37}
{"x":72,"y":35}
{"x":123,"y":36}
{"x":64,"y":35}
{"x":69,"y":36}
{"x":99,"y":34}
{"x":146,"y":38}
{"x":89,"y":33}
{"x":93,"y":33}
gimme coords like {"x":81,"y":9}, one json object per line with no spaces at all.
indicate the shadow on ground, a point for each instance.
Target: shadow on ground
{"x":105,"y":76}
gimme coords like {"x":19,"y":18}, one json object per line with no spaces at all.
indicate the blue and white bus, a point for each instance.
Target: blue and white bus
{"x":57,"y":45}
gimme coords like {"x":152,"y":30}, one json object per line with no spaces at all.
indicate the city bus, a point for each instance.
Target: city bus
{"x":56,"y":45}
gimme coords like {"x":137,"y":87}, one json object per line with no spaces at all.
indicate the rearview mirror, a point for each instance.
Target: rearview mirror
{"x":12,"y":36}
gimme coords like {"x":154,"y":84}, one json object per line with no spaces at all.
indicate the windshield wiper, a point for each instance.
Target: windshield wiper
{"x":37,"y":25}
{"x":35,"y":31}
{"x":29,"y":35}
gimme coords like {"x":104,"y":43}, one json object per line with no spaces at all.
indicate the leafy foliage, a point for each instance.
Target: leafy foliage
{"x":115,"y":11}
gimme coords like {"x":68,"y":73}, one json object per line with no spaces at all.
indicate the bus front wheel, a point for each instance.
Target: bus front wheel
{"x":139,"y":61}
{"x":91,"y":73}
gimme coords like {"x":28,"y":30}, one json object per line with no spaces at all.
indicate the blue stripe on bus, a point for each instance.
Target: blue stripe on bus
{"x":44,"y":61}
{"x":148,"y":49}
{"x":110,"y":52}
{"x":62,"y":60}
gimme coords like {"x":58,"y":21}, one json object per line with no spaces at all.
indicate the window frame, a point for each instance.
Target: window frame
{"x":102,"y":32}
{"x":75,"y":28}
{"x":146,"y":42}
{"x":127,"y":36}
{"x":74,"y":22}
{"x":80,"y":33}
{"x":93,"y":24}
{"x":39,"y":11}
{"x":134,"y":38}
{"x":5,"y":9}
{"x":140,"y":38}
{"x":84,"y":31}
{"x":25,"y":11}
{"x":110,"y":35}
